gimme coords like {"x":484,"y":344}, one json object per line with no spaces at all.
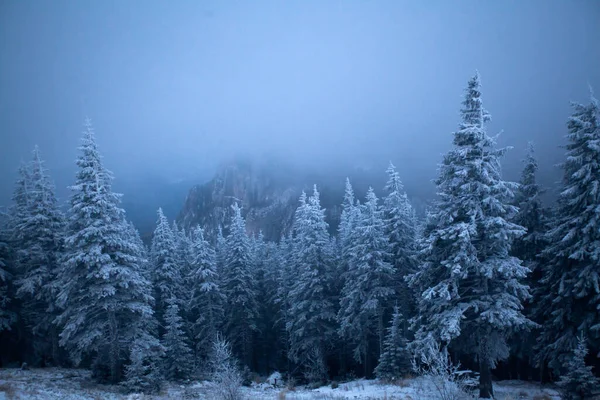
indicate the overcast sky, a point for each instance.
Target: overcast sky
{"x":176,"y":86}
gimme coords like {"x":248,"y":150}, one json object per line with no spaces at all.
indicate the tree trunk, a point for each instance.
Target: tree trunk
{"x":486,"y":390}
{"x":365,"y":355}
{"x":55,"y":347}
{"x":114,"y":348}
{"x":381,"y":331}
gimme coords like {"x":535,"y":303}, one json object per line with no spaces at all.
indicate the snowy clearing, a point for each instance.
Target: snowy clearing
{"x":56,"y":383}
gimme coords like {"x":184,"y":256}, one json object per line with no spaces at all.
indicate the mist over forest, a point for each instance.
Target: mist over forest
{"x":336,"y":199}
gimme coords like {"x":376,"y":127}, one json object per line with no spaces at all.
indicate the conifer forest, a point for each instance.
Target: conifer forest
{"x":489,"y":277}
{"x":300,"y":200}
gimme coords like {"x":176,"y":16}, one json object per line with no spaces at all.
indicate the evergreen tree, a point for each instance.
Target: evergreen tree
{"x":579,"y":382}
{"x":394,"y":362}
{"x":571,"y":284}
{"x":102,"y":290}
{"x":220,"y":250}
{"x":20,"y":207}
{"x":40,"y":231}
{"x":7,"y":314}
{"x":239,"y":287}
{"x":285,"y":280}
{"x":470,"y":290}
{"x":166,"y":268}
{"x":532,"y":214}
{"x":179,"y":361}
{"x":206,"y":305}
{"x":312,"y":312}
{"x":533,"y":217}
{"x":135,"y":237}
{"x":143,"y":373}
{"x":401,"y":232}
{"x":183,"y":244}
{"x":347,"y":235}
{"x":348,"y":218}
{"x":266,"y":263}
{"x":369,"y":283}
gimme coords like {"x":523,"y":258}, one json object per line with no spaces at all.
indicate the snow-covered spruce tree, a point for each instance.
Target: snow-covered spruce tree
{"x":401,"y":232}
{"x":17,"y":215}
{"x":239,"y":288}
{"x":183,"y":244}
{"x":265,"y":265}
{"x":470,"y":288}
{"x":571,"y":285}
{"x":179,"y":360}
{"x":103,"y":292}
{"x":167,"y":276}
{"x":312,"y":313}
{"x":40,"y":234}
{"x":143,"y":373}
{"x":369,"y":285}
{"x":20,"y":207}
{"x":7,"y":314}
{"x":534,"y":218}
{"x":348,"y":219}
{"x":207,"y":298}
{"x":144,"y":255}
{"x":395,"y":361}
{"x":285,"y":282}
{"x":531,"y":215}
{"x":579,"y":382}
{"x":220,"y":250}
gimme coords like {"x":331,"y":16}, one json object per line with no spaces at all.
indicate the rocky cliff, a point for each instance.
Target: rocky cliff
{"x":267,"y":191}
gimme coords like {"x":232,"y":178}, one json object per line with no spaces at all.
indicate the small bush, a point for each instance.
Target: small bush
{"x":335,"y":385}
{"x":291,"y":384}
{"x":275,"y":379}
{"x":449,"y":381}
{"x":225,"y":373}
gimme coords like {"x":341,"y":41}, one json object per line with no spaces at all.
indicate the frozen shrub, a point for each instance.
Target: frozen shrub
{"x":225,"y":372}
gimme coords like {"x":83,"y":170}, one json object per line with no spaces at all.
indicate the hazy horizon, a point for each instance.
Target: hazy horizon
{"x":173,"y":89}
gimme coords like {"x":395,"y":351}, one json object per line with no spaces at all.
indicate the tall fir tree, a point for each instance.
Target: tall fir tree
{"x":470,"y":288}
{"x":207,"y":298}
{"x":369,"y":285}
{"x":179,"y":362}
{"x":265,"y":264}
{"x":183,"y":245}
{"x":239,"y":288}
{"x":167,"y":276}
{"x":348,"y":218}
{"x":102,"y":289}
{"x":220,"y":250}
{"x":531,"y":215}
{"x":41,"y":231}
{"x":347,"y":235}
{"x":571,"y":284}
{"x":401,"y":232}
{"x":394,"y":362}
{"x":7,"y":314}
{"x":534,"y":218}
{"x":312,"y":313}
{"x":285,"y":281}
{"x":20,"y":207}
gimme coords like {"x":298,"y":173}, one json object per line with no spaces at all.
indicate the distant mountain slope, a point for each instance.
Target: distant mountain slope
{"x":268,"y":192}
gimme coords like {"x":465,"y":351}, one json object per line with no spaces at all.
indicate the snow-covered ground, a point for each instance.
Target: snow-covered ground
{"x":68,"y":384}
